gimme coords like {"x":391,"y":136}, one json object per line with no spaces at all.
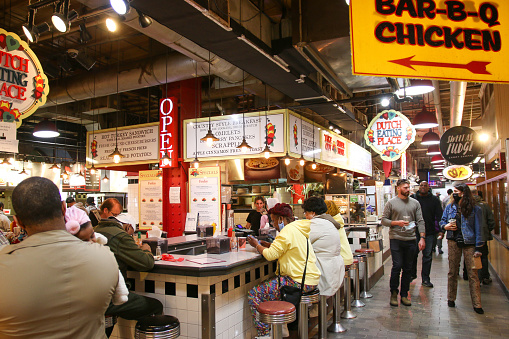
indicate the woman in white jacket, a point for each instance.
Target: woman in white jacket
{"x":326,"y":243}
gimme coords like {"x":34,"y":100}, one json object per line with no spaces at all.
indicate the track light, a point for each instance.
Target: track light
{"x":111,"y":25}
{"x":120,"y":6}
{"x":85,"y":35}
{"x":62,"y":17}
{"x":144,"y":20}
{"x":33,"y":32}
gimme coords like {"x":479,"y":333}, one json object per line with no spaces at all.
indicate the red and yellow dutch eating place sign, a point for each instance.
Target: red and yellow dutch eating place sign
{"x":435,"y":39}
{"x":23,"y":84}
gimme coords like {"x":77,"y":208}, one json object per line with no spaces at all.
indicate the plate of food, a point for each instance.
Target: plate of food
{"x":320,"y":168}
{"x":262,"y":163}
{"x":294,"y":174}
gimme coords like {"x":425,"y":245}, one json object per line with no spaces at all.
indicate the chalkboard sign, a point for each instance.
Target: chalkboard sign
{"x":460,"y":145}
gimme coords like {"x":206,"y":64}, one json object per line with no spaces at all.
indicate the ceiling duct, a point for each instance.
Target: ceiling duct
{"x":458,"y":92}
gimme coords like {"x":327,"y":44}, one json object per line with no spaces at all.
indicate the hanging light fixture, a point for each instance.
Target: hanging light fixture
{"x":412,"y":87}
{"x":266,"y":150}
{"x":31,"y":31}
{"x":106,"y":179}
{"x":55,"y":167}
{"x":433,"y":150}
{"x":244,"y":146}
{"x":23,"y":172}
{"x":144,"y":20}
{"x":430,"y":138}
{"x":62,"y":17}
{"x":166,"y":160}
{"x":209,"y":138}
{"x":302,"y":161}
{"x":286,"y":159}
{"x":93,"y":170}
{"x":437,"y":159}
{"x":120,"y":6}
{"x":425,"y":119}
{"x":196,"y":162}
{"x":159,"y":175}
{"x":116,"y":155}
{"x":65,"y":175}
{"x":5,"y":162}
{"x":313,"y":166}
{"x":45,"y":129}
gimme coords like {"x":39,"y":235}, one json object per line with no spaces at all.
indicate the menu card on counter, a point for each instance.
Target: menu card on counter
{"x":150,"y":200}
{"x":205,"y":195}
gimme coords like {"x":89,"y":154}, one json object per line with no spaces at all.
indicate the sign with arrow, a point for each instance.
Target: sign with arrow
{"x":450,"y":40}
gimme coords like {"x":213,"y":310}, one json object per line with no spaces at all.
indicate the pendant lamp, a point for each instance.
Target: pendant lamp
{"x":106,"y":179}
{"x":287,"y":159}
{"x":244,"y":146}
{"x":196,"y":162}
{"x":313,"y":166}
{"x":437,"y":159}
{"x":209,"y":138}
{"x":116,"y":155}
{"x":45,"y":129}
{"x":433,"y":150}
{"x":266,"y":150}
{"x":430,"y":138}
{"x":302,"y":161}
{"x":424,"y":119}
{"x":413,"y":87}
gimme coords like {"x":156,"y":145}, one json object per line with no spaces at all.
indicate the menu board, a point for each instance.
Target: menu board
{"x":230,"y":131}
{"x":205,"y":195}
{"x":301,"y":138}
{"x":150,"y":199}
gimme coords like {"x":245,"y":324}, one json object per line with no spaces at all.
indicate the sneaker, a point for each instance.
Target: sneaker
{"x":487,"y":281}
{"x":427,"y":284}
{"x":451,"y":303}
{"x":405,"y":301}
{"x":478,"y":310}
{"x":440,"y":251}
{"x":394,"y":298}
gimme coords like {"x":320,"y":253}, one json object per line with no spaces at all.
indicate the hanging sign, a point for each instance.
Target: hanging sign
{"x":23,"y":84}
{"x":150,"y":195}
{"x":230,"y":131}
{"x":389,"y":134}
{"x":406,"y":36}
{"x":303,"y":137}
{"x":460,"y":145}
{"x":168,"y":131}
{"x":457,"y":172}
{"x":139,"y":144}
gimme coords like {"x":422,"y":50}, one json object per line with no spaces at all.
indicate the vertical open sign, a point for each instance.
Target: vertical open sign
{"x":168,"y":131}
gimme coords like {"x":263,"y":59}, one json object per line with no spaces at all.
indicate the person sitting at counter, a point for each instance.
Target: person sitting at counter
{"x":346,"y":251}
{"x":326,"y":244}
{"x":129,"y":256}
{"x":254,"y":217}
{"x":290,"y":249}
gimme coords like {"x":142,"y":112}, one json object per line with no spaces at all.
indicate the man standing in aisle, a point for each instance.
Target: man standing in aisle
{"x":431,"y":210}
{"x":488,"y":225}
{"x":59,"y":285}
{"x":5,"y":223}
{"x":402,"y":214}
{"x":129,"y":256}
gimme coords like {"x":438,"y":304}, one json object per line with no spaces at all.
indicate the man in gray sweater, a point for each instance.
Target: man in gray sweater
{"x":402,"y":214}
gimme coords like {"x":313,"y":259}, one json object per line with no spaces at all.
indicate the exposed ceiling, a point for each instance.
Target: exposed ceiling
{"x":310,"y":76}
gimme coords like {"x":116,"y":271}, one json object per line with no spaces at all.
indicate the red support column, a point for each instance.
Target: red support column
{"x":188,"y":93}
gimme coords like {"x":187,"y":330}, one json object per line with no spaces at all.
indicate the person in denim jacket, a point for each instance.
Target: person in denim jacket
{"x":462,"y":220}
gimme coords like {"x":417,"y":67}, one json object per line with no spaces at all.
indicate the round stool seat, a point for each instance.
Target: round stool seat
{"x":159,"y":326}
{"x":311,"y":298}
{"x":276,"y":312}
{"x":367,"y":251}
{"x":355,"y":261}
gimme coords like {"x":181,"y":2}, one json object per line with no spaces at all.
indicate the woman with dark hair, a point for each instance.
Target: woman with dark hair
{"x":462,"y":219}
{"x":290,"y":249}
{"x":326,"y":243}
{"x":254,"y":217}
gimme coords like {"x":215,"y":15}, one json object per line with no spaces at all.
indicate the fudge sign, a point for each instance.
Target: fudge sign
{"x":389,"y":134}
{"x":460,"y":145}
{"x":23,"y":84}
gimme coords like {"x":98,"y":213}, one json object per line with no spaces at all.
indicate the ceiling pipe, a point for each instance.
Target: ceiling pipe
{"x":458,"y":93}
{"x":438,"y":106}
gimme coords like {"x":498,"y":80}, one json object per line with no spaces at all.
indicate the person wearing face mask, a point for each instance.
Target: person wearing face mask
{"x":462,"y":219}
{"x":402,"y":214}
{"x":290,"y":250}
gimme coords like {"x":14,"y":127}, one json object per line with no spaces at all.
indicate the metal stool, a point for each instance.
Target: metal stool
{"x":336,"y":326}
{"x":305,"y":301}
{"x":354,"y":273}
{"x":347,"y":287}
{"x":157,"y":327}
{"x":276,"y":313}
{"x":369,"y":253}
{"x":322,"y":317}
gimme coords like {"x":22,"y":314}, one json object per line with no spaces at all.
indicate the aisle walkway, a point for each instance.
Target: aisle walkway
{"x":429,"y":316}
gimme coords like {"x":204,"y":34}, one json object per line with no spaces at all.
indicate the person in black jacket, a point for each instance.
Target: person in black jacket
{"x":431,"y":211}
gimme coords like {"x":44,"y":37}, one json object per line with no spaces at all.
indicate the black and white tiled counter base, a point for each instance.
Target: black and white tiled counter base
{"x":182,"y":298}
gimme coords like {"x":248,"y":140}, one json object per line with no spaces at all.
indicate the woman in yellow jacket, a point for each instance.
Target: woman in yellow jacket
{"x":289,"y":248}
{"x":346,"y":251}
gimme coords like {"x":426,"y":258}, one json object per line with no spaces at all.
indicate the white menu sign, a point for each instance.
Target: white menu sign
{"x":300,"y":137}
{"x":151,"y":199}
{"x":138,"y":143}
{"x":205,"y":194}
{"x":230,"y":131}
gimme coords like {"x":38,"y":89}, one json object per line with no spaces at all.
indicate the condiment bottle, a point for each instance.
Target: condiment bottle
{"x":158,"y":251}
{"x":138,"y":242}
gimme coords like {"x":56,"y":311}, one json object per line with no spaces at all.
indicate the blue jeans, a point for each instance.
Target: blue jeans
{"x":403,"y":253}
{"x":427,"y":258}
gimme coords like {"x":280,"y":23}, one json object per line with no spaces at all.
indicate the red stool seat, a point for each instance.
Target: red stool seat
{"x":365,"y":250}
{"x":355,"y":261}
{"x":276,"y":307}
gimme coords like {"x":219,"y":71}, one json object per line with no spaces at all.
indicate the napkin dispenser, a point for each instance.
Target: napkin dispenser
{"x":204,"y":231}
{"x":154,"y":242}
{"x":218,"y":245}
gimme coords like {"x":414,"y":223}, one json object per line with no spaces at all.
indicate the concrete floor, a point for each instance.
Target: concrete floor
{"x":429,"y":316}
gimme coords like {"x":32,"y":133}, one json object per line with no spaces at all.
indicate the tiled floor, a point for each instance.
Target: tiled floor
{"x":429,"y":316}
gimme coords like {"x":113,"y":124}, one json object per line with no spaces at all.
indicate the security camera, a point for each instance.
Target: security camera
{"x":73,"y":53}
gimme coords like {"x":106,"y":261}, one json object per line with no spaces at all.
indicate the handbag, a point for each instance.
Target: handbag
{"x":293,"y":294}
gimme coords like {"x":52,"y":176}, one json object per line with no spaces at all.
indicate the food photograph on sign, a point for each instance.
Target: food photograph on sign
{"x":261,"y":169}
{"x":389,"y":134}
{"x":457,"y":172}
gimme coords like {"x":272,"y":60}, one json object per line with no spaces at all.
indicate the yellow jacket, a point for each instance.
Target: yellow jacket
{"x":346,"y":251}
{"x":289,"y":248}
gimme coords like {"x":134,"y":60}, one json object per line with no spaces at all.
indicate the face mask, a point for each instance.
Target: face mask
{"x":456,"y":197}
{"x":281,"y":225}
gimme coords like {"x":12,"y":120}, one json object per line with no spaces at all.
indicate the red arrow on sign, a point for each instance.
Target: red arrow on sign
{"x":476,"y":67}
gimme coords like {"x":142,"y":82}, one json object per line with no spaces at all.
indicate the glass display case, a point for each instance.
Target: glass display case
{"x":351,"y":206}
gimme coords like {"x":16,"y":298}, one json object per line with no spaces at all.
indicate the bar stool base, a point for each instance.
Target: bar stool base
{"x":358,"y":303}
{"x":336,"y":328}
{"x":366,"y":295}
{"x":348,"y":315}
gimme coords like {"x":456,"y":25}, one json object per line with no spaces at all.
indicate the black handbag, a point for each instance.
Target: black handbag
{"x":293,"y":294}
